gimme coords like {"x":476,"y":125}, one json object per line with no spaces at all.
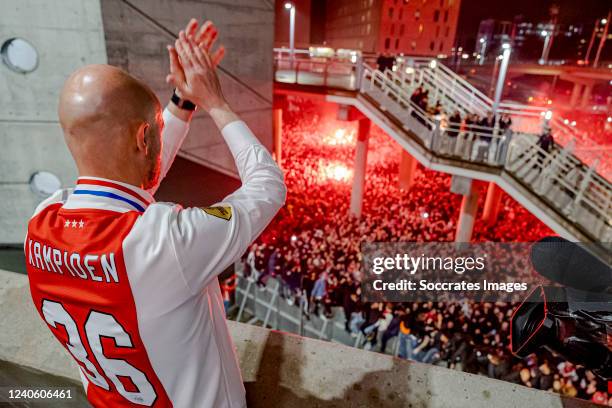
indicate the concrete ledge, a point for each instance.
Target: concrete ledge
{"x":283,"y":370}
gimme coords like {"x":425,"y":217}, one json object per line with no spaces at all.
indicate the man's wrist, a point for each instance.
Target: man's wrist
{"x":181,"y":102}
{"x":182,"y":114}
{"x":222,"y":115}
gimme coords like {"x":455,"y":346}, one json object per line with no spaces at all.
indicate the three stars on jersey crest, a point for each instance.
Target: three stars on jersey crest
{"x":74,"y":224}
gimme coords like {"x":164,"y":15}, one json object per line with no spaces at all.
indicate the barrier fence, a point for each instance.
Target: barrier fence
{"x":267,"y":305}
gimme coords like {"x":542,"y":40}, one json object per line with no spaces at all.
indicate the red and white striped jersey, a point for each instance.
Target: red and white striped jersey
{"x":129,"y":286}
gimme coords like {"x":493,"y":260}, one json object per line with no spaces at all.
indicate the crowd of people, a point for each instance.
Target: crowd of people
{"x":313,"y":249}
{"x":469,"y":135}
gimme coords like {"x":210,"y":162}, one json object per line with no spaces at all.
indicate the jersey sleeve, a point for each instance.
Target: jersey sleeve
{"x":173,"y":136}
{"x":208,"y":240}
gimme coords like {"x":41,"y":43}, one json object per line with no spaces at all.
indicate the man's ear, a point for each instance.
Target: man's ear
{"x":141,"y":137}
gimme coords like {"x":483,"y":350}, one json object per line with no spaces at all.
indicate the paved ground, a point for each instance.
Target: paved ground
{"x":12,"y":259}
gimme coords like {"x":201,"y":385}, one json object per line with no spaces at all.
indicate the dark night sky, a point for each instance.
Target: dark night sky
{"x":571,"y":12}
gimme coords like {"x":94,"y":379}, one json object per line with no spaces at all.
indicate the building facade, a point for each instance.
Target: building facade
{"x":415,"y":27}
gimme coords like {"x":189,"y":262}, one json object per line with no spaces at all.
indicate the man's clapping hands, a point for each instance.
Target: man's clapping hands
{"x":193,"y":71}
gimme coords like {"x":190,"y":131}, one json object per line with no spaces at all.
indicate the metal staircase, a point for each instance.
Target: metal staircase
{"x":565,"y":193}
{"x":455,"y":93}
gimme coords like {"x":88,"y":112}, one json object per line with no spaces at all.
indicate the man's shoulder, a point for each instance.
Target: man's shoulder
{"x":59,"y":196}
{"x":156,"y":212}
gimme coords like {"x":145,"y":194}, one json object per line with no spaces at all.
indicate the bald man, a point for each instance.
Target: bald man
{"x":127,"y":285}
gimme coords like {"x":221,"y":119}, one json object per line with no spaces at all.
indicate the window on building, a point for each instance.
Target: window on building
{"x":432,"y":45}
{"x":401,"y":14}
{"x":436,"y":16}
{"x":401,"y":29}
{"x":446,"y":16}
{"x":441,"y":46}
{"x":447,"y":32}
{"x":369,"y":29}
{"x":397,"y":43}
{"x":441,"y":3}
{"x":417,"y":14}
{"x":421,"y":28}
{"x":413,"y":45}
{"x":390,"y":12}
{"x":387,"y":43}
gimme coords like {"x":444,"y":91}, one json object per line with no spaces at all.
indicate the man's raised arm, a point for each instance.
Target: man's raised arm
{"x":177,"y":115}
{"x":207,"y":240}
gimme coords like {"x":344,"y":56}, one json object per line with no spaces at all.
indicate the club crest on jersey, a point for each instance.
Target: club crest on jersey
{"x":219,"y":212}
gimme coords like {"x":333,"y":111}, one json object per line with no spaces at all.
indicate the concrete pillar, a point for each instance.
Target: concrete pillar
{"x":492,"y":202}
{"x":575,"y":95}
{"x":277,"y":128}
{"x":467,"y":216}
{"x":407,"y":171}
{"x":586,"y":96}
{"x":359,"y":172}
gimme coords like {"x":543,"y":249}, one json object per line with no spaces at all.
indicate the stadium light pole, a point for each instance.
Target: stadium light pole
{"x":501,"y":80}
{"x":545,"y":51}
{"x":588,"y":53}
{"x":291,"y":8}
{"x":483,"y":49}
{"x":604,"y":37}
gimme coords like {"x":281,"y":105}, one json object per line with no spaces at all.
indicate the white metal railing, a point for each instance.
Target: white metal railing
{"x":560,"y":178}
{"x":317,"y":72}
{"x":526,"y":118}
{"x":568,"y":185}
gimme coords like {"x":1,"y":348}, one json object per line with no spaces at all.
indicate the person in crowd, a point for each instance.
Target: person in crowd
{"x":315,"y":233}
{"x":319,"y":292}
{"x":251,"y":268}
{"x":546,"y":140}
{"x":228,"y":287}
{"x":380,"y":62}
{"x":392,"y":329}
{"x":545,"y":143}
{"x":437,"y":110}
{"x":505,"y":122}
{"x":453,"y":129}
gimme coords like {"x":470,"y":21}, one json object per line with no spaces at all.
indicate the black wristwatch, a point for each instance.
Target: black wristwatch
{"x":182,"y":103}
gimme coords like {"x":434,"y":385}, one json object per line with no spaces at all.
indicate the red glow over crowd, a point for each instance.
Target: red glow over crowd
{"x":313,"y":248}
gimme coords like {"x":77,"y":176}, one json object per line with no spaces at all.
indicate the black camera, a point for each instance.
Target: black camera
{"x":573,"y":319}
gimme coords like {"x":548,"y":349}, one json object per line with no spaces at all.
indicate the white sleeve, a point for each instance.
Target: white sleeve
{"x":208,"y":240}
{"x":173,"y":136}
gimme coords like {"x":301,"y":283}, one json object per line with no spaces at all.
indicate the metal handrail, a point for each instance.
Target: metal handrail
{"x":550,"y":170}
{"x":446,"y":76}
{"x":598,"y":199}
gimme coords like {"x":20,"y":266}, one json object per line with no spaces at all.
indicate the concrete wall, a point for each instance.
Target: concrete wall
{"x":282,"y":370}
{"x":67,"y":34}
{"x":137,"y":32}
{"x":134,"y":33}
